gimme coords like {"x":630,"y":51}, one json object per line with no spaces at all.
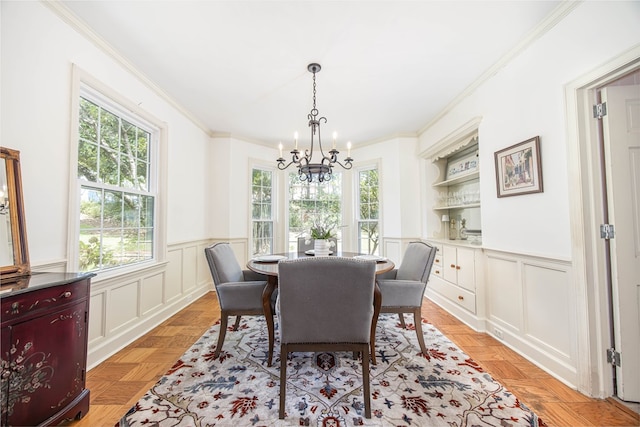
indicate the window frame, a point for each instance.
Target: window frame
{"x":85,"y":85}
{"x":356,"y":213}
{"x":287,"y":202}
{"x":266,"y":167}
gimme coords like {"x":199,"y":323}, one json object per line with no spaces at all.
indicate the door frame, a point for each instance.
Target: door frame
{"x":594,"y":374}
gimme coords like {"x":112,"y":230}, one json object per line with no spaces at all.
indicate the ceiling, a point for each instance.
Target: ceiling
{"x":240,"y":67}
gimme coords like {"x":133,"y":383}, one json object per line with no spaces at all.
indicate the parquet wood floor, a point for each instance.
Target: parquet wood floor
{"x":117,"y":383}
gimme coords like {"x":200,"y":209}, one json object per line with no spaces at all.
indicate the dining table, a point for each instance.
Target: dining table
{"x":268,"y":265}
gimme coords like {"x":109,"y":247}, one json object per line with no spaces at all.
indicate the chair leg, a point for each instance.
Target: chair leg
{"x":221,"y":335}
{"x":401,"y":316}
{"x":284,"y":354}
{"x":237,"y":324}
{"x":365,"y":381}
{"x":417,"y":320}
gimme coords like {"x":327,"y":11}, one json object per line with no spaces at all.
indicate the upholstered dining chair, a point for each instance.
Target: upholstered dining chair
{"x":239,"y":291}
{"x":326,"y":304}
{"x":303,"y":246}
{"x":403,"y":288}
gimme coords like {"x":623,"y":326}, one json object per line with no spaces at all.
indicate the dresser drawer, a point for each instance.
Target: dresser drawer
{"x":455,"y":294}
{"x":25,"y":304}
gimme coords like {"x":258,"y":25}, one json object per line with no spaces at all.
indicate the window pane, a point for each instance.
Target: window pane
{"x":109,"y":130}
{"x":143,"y":176}
{"x":146,"y":211}
{"x":131,"y":210}
{"x":108,"y":166}
{"x":89,"y":113}
{"x":90,"y":208}
{"x":87,"y":161}
{"x":143,"y":145}
{"x":89,"y":250}
{"x":112,"y":209}
{"x":112,"y":248}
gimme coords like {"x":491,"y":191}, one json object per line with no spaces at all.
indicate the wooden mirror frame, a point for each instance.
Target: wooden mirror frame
{"x":21,"y":266}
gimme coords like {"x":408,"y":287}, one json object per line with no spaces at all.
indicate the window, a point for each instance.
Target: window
{"x":116,"y":174}
{"x":262,"y":211}
{"x":368,"y":212}
{"x":313,"y":203}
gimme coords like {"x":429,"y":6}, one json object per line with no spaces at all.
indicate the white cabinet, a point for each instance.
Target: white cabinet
{"x":456,"y":279}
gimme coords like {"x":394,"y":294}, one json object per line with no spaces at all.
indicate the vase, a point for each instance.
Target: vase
{"x":321,"y":247}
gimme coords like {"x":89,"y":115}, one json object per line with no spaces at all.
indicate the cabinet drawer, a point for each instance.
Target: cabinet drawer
{"x":455,"y":294}
{"x":28,"y":303}
{"x":437,"y":262}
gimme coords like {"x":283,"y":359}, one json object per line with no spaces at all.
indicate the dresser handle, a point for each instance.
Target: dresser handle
{"x":15,"y":308}
{"x":453,"y":266}
{"x":437,"y":261}
{"x":437,"y":271}
{"x":460,"y":297}
{"x":457,"y":267}
{"x":66,"y":294}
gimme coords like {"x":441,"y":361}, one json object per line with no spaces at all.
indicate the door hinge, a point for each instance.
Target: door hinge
{"x":613,"y":357}
{"x":607,"y":231}
{"x":600,"y":110}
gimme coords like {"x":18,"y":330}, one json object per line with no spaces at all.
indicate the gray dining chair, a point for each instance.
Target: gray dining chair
{"x":303,"y":246}
{"x":403,"y":288}
{"x":326,"y":304}
{"x":239,"y":291}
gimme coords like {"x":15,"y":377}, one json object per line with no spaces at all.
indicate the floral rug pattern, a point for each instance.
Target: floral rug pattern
{"x":443,"y":388}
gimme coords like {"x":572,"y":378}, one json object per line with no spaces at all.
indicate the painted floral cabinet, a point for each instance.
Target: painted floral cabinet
{"x":44,"y":348}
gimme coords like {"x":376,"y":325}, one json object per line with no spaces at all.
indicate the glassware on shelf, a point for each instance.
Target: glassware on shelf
{"x":453,"y":230}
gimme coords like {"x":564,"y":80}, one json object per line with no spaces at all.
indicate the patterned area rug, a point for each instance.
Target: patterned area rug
{"x":443,"y":388}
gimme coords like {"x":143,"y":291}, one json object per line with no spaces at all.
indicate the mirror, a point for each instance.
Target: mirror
{"x":14,"y":257}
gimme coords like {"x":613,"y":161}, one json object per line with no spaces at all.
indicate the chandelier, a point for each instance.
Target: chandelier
{"x":308,"y":168}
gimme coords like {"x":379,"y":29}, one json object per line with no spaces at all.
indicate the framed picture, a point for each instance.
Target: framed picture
{"x":519,"y":169}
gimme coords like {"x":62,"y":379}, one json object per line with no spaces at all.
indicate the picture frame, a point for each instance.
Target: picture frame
{"x":519,"y":169}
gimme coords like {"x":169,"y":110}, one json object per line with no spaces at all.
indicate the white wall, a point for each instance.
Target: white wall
{"x":525,"y":99}
{"x":38,"y":50}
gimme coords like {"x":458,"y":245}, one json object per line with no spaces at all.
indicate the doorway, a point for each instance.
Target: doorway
{"x":603,"y":276}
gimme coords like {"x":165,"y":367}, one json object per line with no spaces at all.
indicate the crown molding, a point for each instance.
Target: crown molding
{"x":70,"y":18}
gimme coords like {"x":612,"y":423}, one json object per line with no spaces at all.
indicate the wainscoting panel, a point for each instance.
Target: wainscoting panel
{"x":150,"y":298}
{"x":540,"y":282}
{"x":125,"y":307}
{"x":173,"y":286}
{"x":530,"y":308}
{"x":504,"y":295}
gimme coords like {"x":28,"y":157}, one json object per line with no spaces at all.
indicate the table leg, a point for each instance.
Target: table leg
{"x":272,"y":283}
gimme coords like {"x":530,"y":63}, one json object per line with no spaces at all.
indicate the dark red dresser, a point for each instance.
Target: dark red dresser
{"x":44,"y":319}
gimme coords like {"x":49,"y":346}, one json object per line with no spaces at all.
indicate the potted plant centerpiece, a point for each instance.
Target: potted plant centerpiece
{"x":321,"y":234}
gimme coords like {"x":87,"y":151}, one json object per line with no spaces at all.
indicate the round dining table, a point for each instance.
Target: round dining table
{"x":268,"y":265}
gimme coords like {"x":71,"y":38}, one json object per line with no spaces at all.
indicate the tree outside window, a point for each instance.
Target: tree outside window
{"x":313,"y":203}
{"x":116,"y":198}
{"x":262,"y":211}
{"x":369,"y":212}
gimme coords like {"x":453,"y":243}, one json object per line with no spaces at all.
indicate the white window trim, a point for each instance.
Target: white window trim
{"x":83,"y":82}
{"x":376,"y":164}
{"x":275,"y":176}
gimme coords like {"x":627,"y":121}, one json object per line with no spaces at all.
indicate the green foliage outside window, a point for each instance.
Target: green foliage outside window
{"x":116,"y":206}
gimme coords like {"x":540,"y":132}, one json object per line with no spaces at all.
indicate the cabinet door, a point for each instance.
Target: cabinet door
{"x":48,"y":364}
{"x":450,"y":264}
{"x":6,"y":371}
{"x":466,"y":268}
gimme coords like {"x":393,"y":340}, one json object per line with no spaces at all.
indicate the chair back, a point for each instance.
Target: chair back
{"x":303,"y":246}
{"x":326,"y":300}
{"x":417,"y":262}
{"x":223,"y":263}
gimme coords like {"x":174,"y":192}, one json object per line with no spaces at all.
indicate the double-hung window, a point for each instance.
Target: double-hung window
{"x":262,"y":211}
{"x":313,"y":203}
{"x":368,"y":211}
{"x":116,"y":172}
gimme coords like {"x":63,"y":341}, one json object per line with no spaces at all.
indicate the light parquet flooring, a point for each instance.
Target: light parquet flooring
{"x":120,"y":381}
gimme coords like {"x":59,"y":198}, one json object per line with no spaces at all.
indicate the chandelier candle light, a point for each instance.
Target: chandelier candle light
{"x":307,"y":168}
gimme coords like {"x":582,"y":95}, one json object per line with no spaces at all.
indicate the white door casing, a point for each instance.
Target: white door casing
{"x":621,"y":131}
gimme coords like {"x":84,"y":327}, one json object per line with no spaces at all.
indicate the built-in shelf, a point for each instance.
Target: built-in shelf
{"x":458,"y":180}
{"x":445,"y":208}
